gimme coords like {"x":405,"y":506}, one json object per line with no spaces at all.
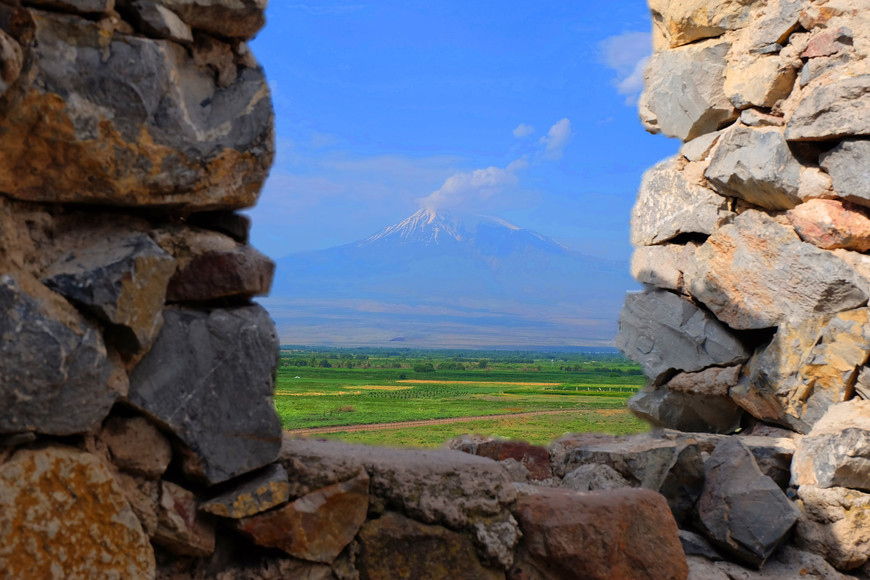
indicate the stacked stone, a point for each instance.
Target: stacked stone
{"x":752,"y":244}
{"x":138,"y":436}
{"x":135,"y":373}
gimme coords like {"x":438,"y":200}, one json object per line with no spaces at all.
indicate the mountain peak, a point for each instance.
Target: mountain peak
{"x":425,"y":226}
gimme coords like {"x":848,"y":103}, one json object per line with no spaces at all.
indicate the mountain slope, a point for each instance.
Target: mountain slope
{"x":434,"y":279}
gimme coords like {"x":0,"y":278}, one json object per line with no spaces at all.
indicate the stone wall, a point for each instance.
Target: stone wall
{"x":752,"y":245}
{"x":138,"y":438}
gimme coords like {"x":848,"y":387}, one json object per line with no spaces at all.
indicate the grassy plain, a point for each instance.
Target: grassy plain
{"x":319,"y":388}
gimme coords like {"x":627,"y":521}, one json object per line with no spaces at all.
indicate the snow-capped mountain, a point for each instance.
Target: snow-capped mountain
{"x":440,"y":279}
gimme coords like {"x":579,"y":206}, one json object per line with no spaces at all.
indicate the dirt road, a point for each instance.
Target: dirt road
{"x":423,"y":423}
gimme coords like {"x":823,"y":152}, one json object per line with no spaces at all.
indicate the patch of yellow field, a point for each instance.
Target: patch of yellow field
{"x":379,"y":388}
{"x":611,"y":412}
{"x":305,"y":394}
{"x":478,"y":383}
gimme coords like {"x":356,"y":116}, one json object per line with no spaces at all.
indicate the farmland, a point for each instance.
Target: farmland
{"x":318,"y":388}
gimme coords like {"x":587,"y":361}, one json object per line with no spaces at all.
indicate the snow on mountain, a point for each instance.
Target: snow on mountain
{"x":486,"y":277}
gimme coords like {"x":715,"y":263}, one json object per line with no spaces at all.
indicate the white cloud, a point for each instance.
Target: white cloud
{"x":557,"y":138}
{"x":467,"y":188}
{"x":523,"y":130}
{"x":627,"y":54}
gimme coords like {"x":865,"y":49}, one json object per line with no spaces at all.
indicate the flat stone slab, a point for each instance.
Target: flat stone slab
{"x":832,"y":111}
{"x":256,"y":493}
{"x":849,"y":167}
{"x":209,"y":380}
{"x":434,"y":486}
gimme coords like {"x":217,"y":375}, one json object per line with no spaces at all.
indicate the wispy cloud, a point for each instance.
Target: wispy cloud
{"x":480,"y":184}
{"x":627,"y":54}
{"x":523,"y":130}
{"x":557,"y":139}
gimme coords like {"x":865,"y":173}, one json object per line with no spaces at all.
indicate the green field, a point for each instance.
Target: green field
{"x":318,"y":388}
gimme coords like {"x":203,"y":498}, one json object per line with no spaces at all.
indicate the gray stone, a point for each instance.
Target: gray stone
{"x":684,"y":96}
{"x":178,"y":139}
{"x":120,"y":279}
{"x":664,"y":333}
{"x":686,"y":411}
{"x":593,"y":476}
{"x":714,"y":381}
{"x":698,"y":148}
{"x":805,"y":369}
{"x":434,"y":486}
{"x":849,"y":167}
{"x":230,"y":223}
{"x":662,"y":266}
{"x":190,"y":383}
{"x":55,"y":377}
{"x":836,"y":452}
{"x":755,"y":118}
{"x":834,"y":525}
{"x":757,"y":273}
{"x":256,"y":493}
{"x":773,"y":456}
{"x":11,"y":61}
{"x":159,"y":21}
{"x":779,"y":18}
{"x":669,"y":205}
{"x":741,"y":510}
{"x":832,"y":111}
{"x":761,"y":81}
{"x":756,"y":165}
{"x":697,"y":545}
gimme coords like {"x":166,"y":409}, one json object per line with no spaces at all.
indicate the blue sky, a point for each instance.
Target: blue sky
{"x":516,"y":109}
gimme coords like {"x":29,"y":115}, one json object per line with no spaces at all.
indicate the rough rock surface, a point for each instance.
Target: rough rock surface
{"x":136,"y":446}
{"x":625,"y":533}
{"x":662,"y":266}
{"x":122,"y":280}
{"x":62,"y":515}
{"x":686,"y":411}
{"x":535,"y":459}
{"x":594,"y":476}
{"x":761,"y":82}
{"x":834,"y":525}
{"x":435,"y":486}
{"x":685,"y":21}
{"x":806,"y":369}
{"x":832,"y":224}
{"x":189,"y":380}
{"x":757,"y":273}
{"x":159,"y":134}
{"x":836,"y":452}
{"x":181,"y":529}
{"x":258,"y":492}
{"x":684,"y":95}
{"x":664,"y":332}
{"x":318,"y":525}
{"x":830,"y":111}
{"x":741,"y":510}
{"x":847,"y":163}
{"x":756,"y":165}
{"x":394,"y":546}
{"x":669,"y":205}
{"x":55,"y":376}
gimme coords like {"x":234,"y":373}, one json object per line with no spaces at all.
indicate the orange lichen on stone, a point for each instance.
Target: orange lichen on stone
{"x":62,"y":515}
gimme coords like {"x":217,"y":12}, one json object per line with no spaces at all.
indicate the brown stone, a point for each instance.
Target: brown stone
{"x":181,"y":529}
{"x":757,"y":273}
{"x":227,"y":18}
{"x":828,"y":42}
{"x":534,"y":458}
{"x":137,"y":446}
{"x":317,"y":526}
{"x":254,"y":494}
{"x":834,"y":524}
{"x":394,"y":546}
{"x":836,"y":452}
{"x":685,"y":21}
{"x":832,"y":224}
{"x":623,"y":533}
{"x":161,"y":133}
{"x":143,"y":496}
{"x":62,"y":515}
{"x":806,"y":369}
